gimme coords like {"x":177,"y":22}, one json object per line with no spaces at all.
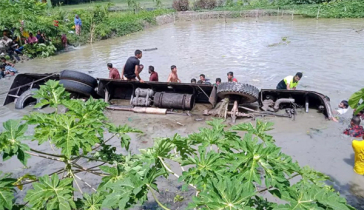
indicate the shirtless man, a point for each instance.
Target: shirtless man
{"x":173,"y":77}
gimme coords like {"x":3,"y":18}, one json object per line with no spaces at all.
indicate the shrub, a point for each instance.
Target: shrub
{"x":181,"y":5}
{"x":205,"y":4}
{"x":39,"y":50}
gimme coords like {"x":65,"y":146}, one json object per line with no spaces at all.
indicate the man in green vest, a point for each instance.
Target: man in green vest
{"x":289,"y":82}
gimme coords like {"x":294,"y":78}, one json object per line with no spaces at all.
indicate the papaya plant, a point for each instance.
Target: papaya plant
{"x":356,"y":101}
{"x":227,"y":168}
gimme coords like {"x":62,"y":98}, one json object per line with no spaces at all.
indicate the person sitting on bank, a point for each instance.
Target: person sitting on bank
{"x":355,"y":130}
{"x":113,"y":72}
{"x":230,"y":77}
{"x":173,"y":77}
{"x":153,"y":75}
{"x":6,"y":69}
{"x":131,"y":68}
{"x":217,"y":81}
{"x":193,"y":81}
{"x":3,"y":61}
{"x":289,"y":82}
{"x":31,"y":39}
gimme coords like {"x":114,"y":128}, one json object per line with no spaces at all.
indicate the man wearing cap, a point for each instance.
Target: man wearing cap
{"x":289,"y":82}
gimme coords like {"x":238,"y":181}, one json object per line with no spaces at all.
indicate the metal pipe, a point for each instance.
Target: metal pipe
{"x":282,"y":100}
{"x":147,"y":110}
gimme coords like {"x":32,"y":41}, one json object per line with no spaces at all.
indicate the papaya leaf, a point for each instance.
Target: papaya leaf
{"x":121,"y":132}
{"x":51,"y":193}
{"x":10,"y":141}
{"x":355,"y":99}
{"x":259,"y":130}
{"x":6,"y":191}
{"x":93,"y":201}
{"x":52,"y":94}
{"x":224,"y":193}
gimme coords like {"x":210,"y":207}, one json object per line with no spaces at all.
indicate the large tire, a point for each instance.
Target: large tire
{"x":77,"y":87}
{"x":248,"y":92}
{"x":78,"y":77}
{"x":26,"y":99}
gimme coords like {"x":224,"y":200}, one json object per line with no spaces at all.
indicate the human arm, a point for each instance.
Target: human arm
{"x":137,"y":73}
{"x":169,"y":78}
{"x":10,"y":64}
{"x":288,"y":87}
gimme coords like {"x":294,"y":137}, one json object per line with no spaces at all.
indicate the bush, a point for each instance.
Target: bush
{"x":39,"y":50}
{"x":205,"y":4}
{"x":181,"y":5}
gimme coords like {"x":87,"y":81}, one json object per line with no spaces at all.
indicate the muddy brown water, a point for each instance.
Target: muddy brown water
{"x":328,"y":52}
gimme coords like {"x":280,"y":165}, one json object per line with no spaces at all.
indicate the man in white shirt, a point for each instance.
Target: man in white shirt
{"x":343,"y":107}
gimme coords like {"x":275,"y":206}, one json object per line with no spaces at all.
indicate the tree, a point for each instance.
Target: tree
{"x":226,"y":170}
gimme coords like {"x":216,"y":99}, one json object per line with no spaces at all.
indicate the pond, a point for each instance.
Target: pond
{"x":327,"y":51}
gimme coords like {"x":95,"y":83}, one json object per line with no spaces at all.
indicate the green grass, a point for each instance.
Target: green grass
{"x":119,"y":4}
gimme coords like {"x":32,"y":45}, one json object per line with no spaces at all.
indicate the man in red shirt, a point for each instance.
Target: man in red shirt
{"x":113,"y":72}
{"x":153,"y":75}
{"x":231,"y":77}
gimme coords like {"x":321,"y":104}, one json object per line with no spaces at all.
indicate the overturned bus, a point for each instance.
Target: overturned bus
{"x":226,"y":99}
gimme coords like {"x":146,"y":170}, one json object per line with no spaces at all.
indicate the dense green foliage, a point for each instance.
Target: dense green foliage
{"x":316,"y":9}
{"x":229,"y":168}
{"x":97,"y":23}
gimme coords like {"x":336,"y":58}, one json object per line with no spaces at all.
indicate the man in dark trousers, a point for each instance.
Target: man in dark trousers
{"x":131,"y":67}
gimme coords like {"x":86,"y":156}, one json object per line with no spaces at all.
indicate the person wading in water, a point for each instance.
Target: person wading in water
{"x":289,"y":82}
{"x":131,"y":67}
{"x":173,"y":77}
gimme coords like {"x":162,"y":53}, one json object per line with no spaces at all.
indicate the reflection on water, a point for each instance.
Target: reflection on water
{"x":328,"y":52}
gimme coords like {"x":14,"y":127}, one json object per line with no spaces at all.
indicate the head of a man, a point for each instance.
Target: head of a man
{"x":140,"y":68}
{"x":297,"y":77}
{"x":218,"y":81}
{"x":344,"y":104}
{"x":193,"y":80}
{"x":138,"y":54}
{"x":355,"y":121}
{"x":202,"y":77}
{"x":3,"y":59}
{"x":109,"y":66}
{"x":230,"y":76}
{"x":174,"y":69}
{"x":151,"y":69}
{"x":38,"y":33}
